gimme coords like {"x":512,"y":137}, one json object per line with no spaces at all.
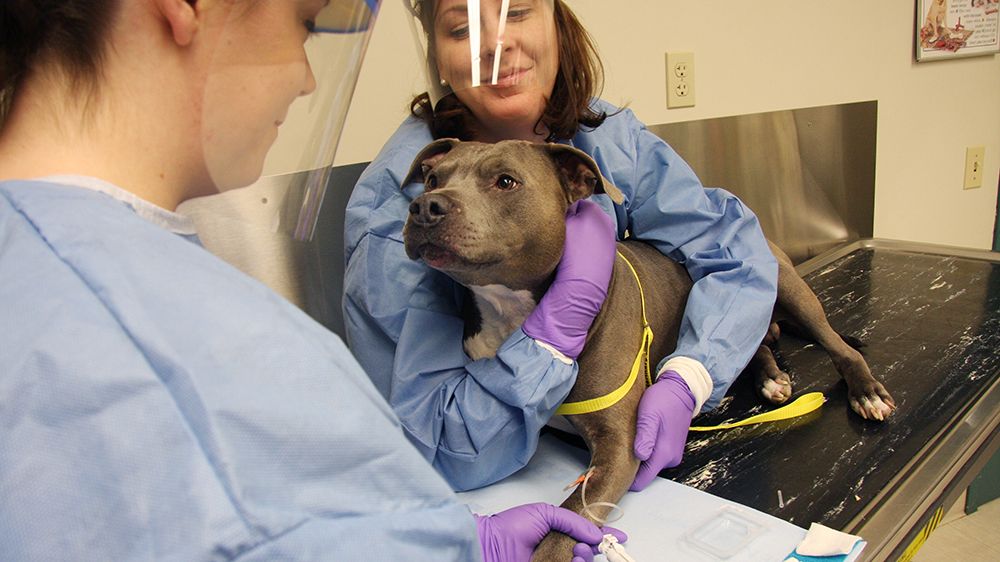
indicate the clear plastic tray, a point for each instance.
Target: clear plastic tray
{"x":727,"y":532}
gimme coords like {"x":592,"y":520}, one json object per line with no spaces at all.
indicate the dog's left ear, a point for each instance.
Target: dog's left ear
{"x":581,"y":176}
{"x":428,"y":157}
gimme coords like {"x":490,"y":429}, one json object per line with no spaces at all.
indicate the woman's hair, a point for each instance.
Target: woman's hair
{"x":69,"y":34}
{"x":579,"y":81}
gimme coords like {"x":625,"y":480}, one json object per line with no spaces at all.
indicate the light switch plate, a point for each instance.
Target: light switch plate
{"x":974,"y":156}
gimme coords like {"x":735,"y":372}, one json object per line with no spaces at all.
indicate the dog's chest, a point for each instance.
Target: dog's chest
{"x":501,"y":311}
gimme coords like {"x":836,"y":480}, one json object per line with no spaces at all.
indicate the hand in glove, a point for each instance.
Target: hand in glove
{"x":665,"y":412}
{"x":564,"y":315}
{"x":512,"y":535}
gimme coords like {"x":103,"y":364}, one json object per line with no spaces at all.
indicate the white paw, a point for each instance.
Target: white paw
{"x":775,"y":391}
{"x":871,"y":408}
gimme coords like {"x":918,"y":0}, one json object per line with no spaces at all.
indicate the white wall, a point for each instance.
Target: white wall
{"x":753,"y":56}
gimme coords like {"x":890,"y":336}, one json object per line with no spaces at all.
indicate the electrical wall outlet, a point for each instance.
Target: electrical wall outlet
{"x":974,"y":156}
{"x":680,"y":80}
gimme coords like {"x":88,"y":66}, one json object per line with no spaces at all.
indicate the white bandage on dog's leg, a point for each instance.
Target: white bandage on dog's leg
{"x":695,"y":375}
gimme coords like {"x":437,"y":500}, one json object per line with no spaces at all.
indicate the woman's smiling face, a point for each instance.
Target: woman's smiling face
{"x":508,"y":87}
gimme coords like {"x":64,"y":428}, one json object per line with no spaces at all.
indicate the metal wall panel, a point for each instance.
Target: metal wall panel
{"x":808,"y":174}
{"x":238,"y":226}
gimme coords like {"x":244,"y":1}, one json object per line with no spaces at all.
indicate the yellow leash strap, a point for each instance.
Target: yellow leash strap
{"x":800,"y":407}
{"x":608,"y":400}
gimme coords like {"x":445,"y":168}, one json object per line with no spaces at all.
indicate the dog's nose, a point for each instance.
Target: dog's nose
{"x":429,"y":209}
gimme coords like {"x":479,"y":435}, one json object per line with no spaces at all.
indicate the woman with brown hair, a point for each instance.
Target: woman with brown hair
{"x":527,"y":69}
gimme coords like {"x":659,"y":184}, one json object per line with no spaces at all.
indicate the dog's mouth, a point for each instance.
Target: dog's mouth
{"x":438,"y":257}
{"x":449,"y":259}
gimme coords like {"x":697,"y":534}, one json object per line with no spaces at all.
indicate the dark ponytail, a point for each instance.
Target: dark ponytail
{"x":70,"y":34}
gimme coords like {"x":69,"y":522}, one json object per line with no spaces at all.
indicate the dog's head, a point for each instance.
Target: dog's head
{"x":495,"y":213}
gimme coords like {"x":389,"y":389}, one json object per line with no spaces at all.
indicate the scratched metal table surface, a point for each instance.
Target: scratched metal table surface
{"x":931,"y":324}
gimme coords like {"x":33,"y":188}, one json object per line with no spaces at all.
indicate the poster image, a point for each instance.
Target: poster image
{"x":957,"y":28}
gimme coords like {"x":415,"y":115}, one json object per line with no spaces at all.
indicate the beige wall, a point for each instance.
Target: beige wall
{"x":762,"y":55}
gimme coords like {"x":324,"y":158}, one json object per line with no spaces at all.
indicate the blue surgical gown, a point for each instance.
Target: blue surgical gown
{"x":157,"y":404}
{"x":478,"y":421}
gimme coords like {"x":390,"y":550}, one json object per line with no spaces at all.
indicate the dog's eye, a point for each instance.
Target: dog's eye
{"x":431,"y":182}
{"x":506,"y":182}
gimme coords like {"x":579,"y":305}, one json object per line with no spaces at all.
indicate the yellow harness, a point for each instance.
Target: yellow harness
{"x":801,"y":406}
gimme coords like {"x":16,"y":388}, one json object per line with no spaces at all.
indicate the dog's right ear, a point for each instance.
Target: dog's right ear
{"x":428,"y":157}
{"x":581,"y":176}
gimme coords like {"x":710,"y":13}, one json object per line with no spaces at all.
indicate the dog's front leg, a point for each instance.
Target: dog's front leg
{"x":610,"y":435}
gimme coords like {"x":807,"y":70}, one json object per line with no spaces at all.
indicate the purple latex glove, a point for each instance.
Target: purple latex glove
{"x":512,"y":535}
{"x":665,"y":412}
{"x":564,"y":315}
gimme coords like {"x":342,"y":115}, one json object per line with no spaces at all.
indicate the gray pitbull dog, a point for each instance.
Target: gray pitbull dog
{"x":492,"y":217}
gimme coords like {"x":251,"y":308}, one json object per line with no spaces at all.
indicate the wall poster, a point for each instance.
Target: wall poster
{"x":957,"y":28}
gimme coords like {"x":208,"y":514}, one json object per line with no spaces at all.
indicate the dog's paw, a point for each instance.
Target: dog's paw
{"x":776,"y":387}
{"x":872,"y":402}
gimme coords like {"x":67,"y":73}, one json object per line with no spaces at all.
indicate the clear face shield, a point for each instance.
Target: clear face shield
{"x":489,"y":53}
{"x":274,"y":107}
